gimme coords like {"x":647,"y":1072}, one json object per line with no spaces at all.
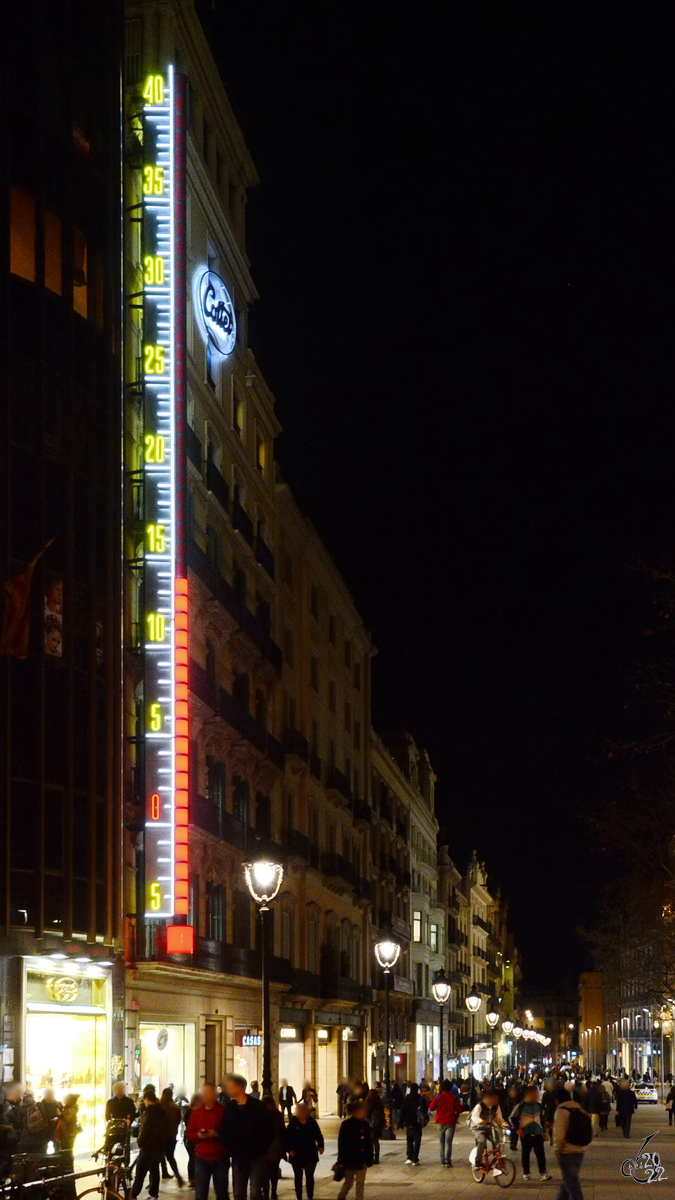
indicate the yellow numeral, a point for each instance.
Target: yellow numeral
{"x":155,"y":448}
{"x":155,"y":896}
{"x":156,"y":627}
{"x":156,"y":539}
{"x":155,"y":362}
{"x":155,"y":717}
{"x":153,"y":272}
{"x":153,"y":91}
{"x":153,"y":181}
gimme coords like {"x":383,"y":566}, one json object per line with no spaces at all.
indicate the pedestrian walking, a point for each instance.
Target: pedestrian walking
{"x":275,"y":1150}
{"x":309,"y":1096}
{"x":626,"y":1104}
{"x":605,"y":1108}
{"x":255,"y":1090}
{"x":190,"y":1146}
{"x":376,"y":1119}
{"x":414,"y":1116}
{"x":670,"y":1105}
{"x":210,"y":1157}
{"x":287,"y":1099}
{"x":528,"y":1121}
{"x":304,"y":1143}
{"x":152,"y":1137}
{"x":35,"y":1128}
{"x":173,"y":1118}
{"x":592,"y":1103}
{"x":572,"y":1135}
{"x":342,"y":1092}
{"x":247,"y":1132}
{"x":355,"y":1151}
{"x":396,"y":1093}
{"x":447,"y":1107}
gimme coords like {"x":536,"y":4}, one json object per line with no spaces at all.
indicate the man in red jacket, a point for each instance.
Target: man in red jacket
{"x":211,"y":1157}
{"x":447,"y":1108}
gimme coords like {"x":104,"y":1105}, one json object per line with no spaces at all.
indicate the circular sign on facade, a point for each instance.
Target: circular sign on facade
{"x":162,"y":1039}
{"x":63,"y":989}
{"x":216,"y":312}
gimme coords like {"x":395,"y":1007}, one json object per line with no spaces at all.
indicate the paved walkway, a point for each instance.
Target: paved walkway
{"x":601,"y":1174}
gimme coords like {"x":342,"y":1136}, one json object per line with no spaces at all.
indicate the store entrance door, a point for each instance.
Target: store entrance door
{"x":167,"y":1056}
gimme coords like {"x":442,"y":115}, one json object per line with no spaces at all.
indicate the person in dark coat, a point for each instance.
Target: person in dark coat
{"x":413,"y":1112}
{"x":190,"y":1146}
{"x":304,"y":1143}
{"x":287,"y":1099}
{"x":342,"y":1092}
{"x":355,"y":1150}
{"x":247,"y":1131}
{"x":375,"y":1118}
{"x":275,"y":1150}
{"x":152,"y":1138}
{"x":670,"y":1105}
{"x":626,"y":1104}
{"x":396,"y":1094}
{"x":173,"y":1116}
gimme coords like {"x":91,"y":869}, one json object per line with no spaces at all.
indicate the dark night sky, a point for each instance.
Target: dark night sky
{"x":462,"y":242}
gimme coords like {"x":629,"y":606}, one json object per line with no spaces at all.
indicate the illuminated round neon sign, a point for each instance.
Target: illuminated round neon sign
{"x":216,"y":311}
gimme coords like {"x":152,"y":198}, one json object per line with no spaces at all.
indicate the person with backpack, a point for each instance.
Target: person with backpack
{"x":35,"y":1126}
{"x":414,"y":1117}
{"x":626,"y":1104}
{"x":528,"y":1121}
{"x":447,"y":1108}
{"x":572,"y":1135}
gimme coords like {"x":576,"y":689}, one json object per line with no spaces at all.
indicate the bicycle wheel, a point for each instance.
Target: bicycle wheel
{"x":508,"y":1173}
{"x":478,"y":1175}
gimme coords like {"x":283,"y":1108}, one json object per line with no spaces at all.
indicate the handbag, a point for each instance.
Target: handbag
{"x":338,"y":1172}
{"x":617,"y":1119}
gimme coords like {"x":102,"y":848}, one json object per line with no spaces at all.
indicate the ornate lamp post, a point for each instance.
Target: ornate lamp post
{"x":517,"y":1034}
{"x":387,"y":953}
{"x":441,"y":992}
{"x":263,"y":879}
{"x":473,"y":1002}
{"x":492,"y":1018}
{"x":507,"y":1028}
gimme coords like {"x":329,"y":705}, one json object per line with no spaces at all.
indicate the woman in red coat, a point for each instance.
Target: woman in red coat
{"x":447,"y":1108}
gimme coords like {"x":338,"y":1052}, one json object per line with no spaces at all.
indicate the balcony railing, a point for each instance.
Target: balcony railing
{"x":390,"y":922}
{"x":242,"y":522}
{"x":337,"y":782}
{"x":295,"y":744}
{"x":264,"y":556}
{"x":481,"y":924}
{"x":363,"y":813}
{"x":217,"y":485}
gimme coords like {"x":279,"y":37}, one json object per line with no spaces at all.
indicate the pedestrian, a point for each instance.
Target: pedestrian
{"x":191,"y":1146}
{"x":304,"y":1143}
{"x":592,"y":1104}
{"x":10,"y":1118}
{"x":275,"y":1150}
{"x":342,"y":1091}
{"x":309,"y":1096}
{"x":528,"y":1121}
{"x":572,"y":1134}
{"x":413,"y":1118}
{"x":376,"y":1119}
{"x":255,"y":1090}
{"x":210,"y":1157}
{"x":247,"y":1132}
{"x":355,"y":1151}
{"x":120,"y":1107}
{"x":396,"y":1094}
{"x":35,"y":1128}
{"x":173,"y":1117}
{"x":287,"y":1099}
{"x":670,"y":1105}
{"x":485,"y":1119}
{"x":513,"y":1097}
{"x":447,"y":1108}
{"x":605,"y":1108}
{"x":152,"y":1137}
{"x":626,"y":1104}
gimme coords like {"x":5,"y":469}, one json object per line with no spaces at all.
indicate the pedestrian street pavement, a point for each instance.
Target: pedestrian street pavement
{"x":601,"y":1176}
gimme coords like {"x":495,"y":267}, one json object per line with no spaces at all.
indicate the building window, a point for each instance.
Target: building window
{"x":240,"y":801}
{"x":357,"y":676}
{"x":288,"y":647}
{"x":22,"y":235}
{"x":214,"y":912}
{"x":53,"y":253}
{"x":288,"y":570}
{"x":348,"y":654}
{"x":238,"y":415}
{"x":241,"y":689}
{"x":417,"y":927}
{"x":433,"y":938}
{"x":215,"y":784}
{"x":313,"y":944}
{"x":332,"y":634}
{"x":331,"y":695}
{"x":214,"y":549}
{"x":348,"y":716}
{"x":314,"y":828}
{"x":356,"y":787}
{"x":419,"y":979}
{"x":314,"y":673}
{"x":314,"y":747}
{"x":357,"y":735}
{"x":289,"y":813}
{"x":286,"y":934}
{"x":314,"y":601}
{"x":260,"y":453}
{"x":80,"y":273}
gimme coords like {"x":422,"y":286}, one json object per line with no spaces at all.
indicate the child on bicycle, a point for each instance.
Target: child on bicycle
{"x":487,"y":1122}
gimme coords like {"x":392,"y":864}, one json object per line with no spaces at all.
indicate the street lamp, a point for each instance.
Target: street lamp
{"x":492,"y":1018}
{"x":517,"y":1033}
{"x":387,"y":953}
{"x":263,"y":878}
{"x":473,"y":1003}
{"x":441,"y":992}
{"x":507,"y":1028}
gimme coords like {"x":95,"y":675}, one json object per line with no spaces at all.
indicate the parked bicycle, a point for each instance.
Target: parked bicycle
{"x":115,"y":1182}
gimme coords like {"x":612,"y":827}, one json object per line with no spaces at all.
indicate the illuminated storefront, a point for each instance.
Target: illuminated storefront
{"x":66,"y":1041}
{"x":167,"y":1055}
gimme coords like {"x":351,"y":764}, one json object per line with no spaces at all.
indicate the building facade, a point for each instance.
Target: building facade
{"x":59,"y":511}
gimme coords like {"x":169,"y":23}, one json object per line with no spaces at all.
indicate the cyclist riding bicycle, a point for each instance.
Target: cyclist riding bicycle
{"x":487,"y":1123}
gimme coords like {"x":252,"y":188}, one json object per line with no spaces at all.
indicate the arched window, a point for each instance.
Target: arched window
{"x":240,"y":801}
{"x":215,"y":787}
{"x":345,"y":950}
{"x":215,"y":912}
{"x":356,"y":956}
{"x":313,"y":958}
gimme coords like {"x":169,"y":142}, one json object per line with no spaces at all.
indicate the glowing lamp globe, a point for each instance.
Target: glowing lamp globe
{"x":386,"y":953}
{"x":473,"y":1001}
{"x":517,"y":1031}
{"x":263,"y":879}
{"x":507,"y":1026}
{"x":441,"y":988}
{"x":492,"y":1018}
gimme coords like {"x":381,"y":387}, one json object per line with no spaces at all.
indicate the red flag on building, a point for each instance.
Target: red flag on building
{"x":16,"y":617}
